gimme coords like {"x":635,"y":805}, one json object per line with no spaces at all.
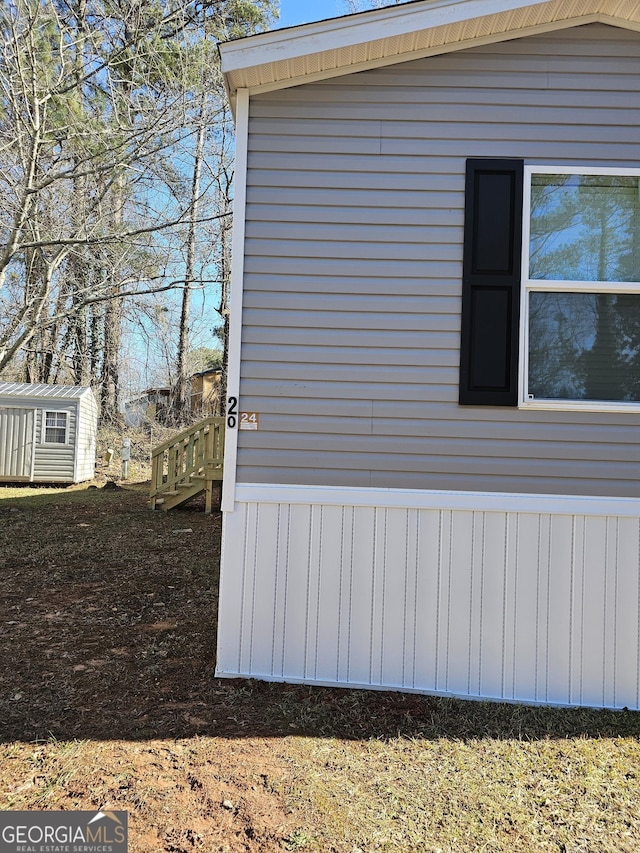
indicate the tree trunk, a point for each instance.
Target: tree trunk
{"x":112,"y":325}
{"x":95,"y":342}
{"x":112,"y":332}
{"x":182,"y":404}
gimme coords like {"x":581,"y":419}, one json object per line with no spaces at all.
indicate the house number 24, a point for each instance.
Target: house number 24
{"x":242,"y":420}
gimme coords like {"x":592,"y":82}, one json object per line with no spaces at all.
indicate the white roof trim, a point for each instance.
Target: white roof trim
{"x":283,"y":58}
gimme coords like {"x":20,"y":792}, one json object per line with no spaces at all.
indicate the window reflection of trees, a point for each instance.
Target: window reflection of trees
{"x":585,"y":228}
{"x":584,"y":346}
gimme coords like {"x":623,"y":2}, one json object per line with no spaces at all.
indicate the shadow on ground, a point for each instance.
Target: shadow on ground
{"x":107,"y":631}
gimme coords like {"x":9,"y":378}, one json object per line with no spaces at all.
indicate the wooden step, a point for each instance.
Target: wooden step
{"x":179,"y":497}
{"x":194,"y":458}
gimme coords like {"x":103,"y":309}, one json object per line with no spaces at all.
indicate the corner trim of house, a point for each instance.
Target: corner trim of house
{"x":438,"y":499}
{"x":237,"y":276}
{"x":76,"y":445}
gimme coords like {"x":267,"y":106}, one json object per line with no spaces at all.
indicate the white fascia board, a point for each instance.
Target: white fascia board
{"x":337,"y":33}
{"x":438,"y":499}
{"x":236,"y":292}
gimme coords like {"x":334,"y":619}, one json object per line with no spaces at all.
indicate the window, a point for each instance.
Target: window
{"x":55,"y":429}
{"x":580,"y":329}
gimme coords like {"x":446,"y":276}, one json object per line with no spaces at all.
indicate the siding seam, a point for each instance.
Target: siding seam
{"x":275,"y":590}
{"x":253,"y":590}
{"x":437,"y":621}
{"x":286,"y":586}
{"x":604,"y":609}
{"x":516,"y":567}
{"x":243,"y":586}
{"x":319,"y":596}
{"x":505,"y":567}
{"x":417,"y":590}
{"x":571,"y":606}
{"x":472,"y":567}
{"x":372,"y":613}
{"x":307,"y":604}
{"x":638,"y":622}
{"x":340,"y":587}
{"x":481,"y":613}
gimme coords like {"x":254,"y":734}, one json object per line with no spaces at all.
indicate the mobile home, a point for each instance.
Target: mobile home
{"x":432,"y":470}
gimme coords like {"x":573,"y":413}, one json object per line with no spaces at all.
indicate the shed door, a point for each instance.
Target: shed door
{"x":16,"y":443}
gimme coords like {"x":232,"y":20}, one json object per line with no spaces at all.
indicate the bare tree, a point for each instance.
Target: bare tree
{"x":94,"y":105}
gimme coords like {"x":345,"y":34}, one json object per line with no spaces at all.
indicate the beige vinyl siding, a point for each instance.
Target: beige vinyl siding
{"x":86,"y":437}
{"x":353,"y":268}
{"x":55,"y":462}
{"x":16,"y":441}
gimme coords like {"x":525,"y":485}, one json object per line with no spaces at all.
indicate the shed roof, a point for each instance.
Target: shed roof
{"x":288,"y":57}
{"x":59,"y":392}
{"x":208,"y":371}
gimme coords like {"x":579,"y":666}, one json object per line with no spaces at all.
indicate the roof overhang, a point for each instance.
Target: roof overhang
{"x":283,"y":58}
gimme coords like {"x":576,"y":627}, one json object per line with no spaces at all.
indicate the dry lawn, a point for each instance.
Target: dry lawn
{"x":107,"y":699}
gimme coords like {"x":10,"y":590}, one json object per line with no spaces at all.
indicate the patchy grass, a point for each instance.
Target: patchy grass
{"x":20,"y":496}
{"x":108,"y":700}
{"x":480,"y":794}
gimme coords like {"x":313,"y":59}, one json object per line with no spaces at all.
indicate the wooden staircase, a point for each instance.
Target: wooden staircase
{"x":187,"y":465}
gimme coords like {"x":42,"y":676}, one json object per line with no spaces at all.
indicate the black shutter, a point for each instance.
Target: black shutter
{"x":491,"y":283}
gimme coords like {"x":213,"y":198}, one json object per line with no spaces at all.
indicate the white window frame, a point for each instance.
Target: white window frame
{"x":67,"y":418}
{"x":529,"y":285}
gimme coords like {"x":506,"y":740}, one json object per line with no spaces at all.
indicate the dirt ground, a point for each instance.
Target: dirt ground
{"x":107,"y":647}
{"x":108,"y":700}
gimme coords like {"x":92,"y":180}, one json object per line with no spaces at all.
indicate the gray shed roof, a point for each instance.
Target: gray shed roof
{"x":59,"y":392}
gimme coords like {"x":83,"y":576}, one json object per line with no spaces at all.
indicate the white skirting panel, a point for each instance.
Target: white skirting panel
{"x":488,"y":603}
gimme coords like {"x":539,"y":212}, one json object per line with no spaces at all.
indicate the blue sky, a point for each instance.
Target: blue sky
{"x":294,"y":12}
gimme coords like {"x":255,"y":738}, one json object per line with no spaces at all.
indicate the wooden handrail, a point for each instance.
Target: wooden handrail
{"x":186,"y":433}
{"x":196,"y":451}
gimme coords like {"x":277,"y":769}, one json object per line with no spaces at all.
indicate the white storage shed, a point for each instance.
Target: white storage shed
{"x":47,"y":433}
